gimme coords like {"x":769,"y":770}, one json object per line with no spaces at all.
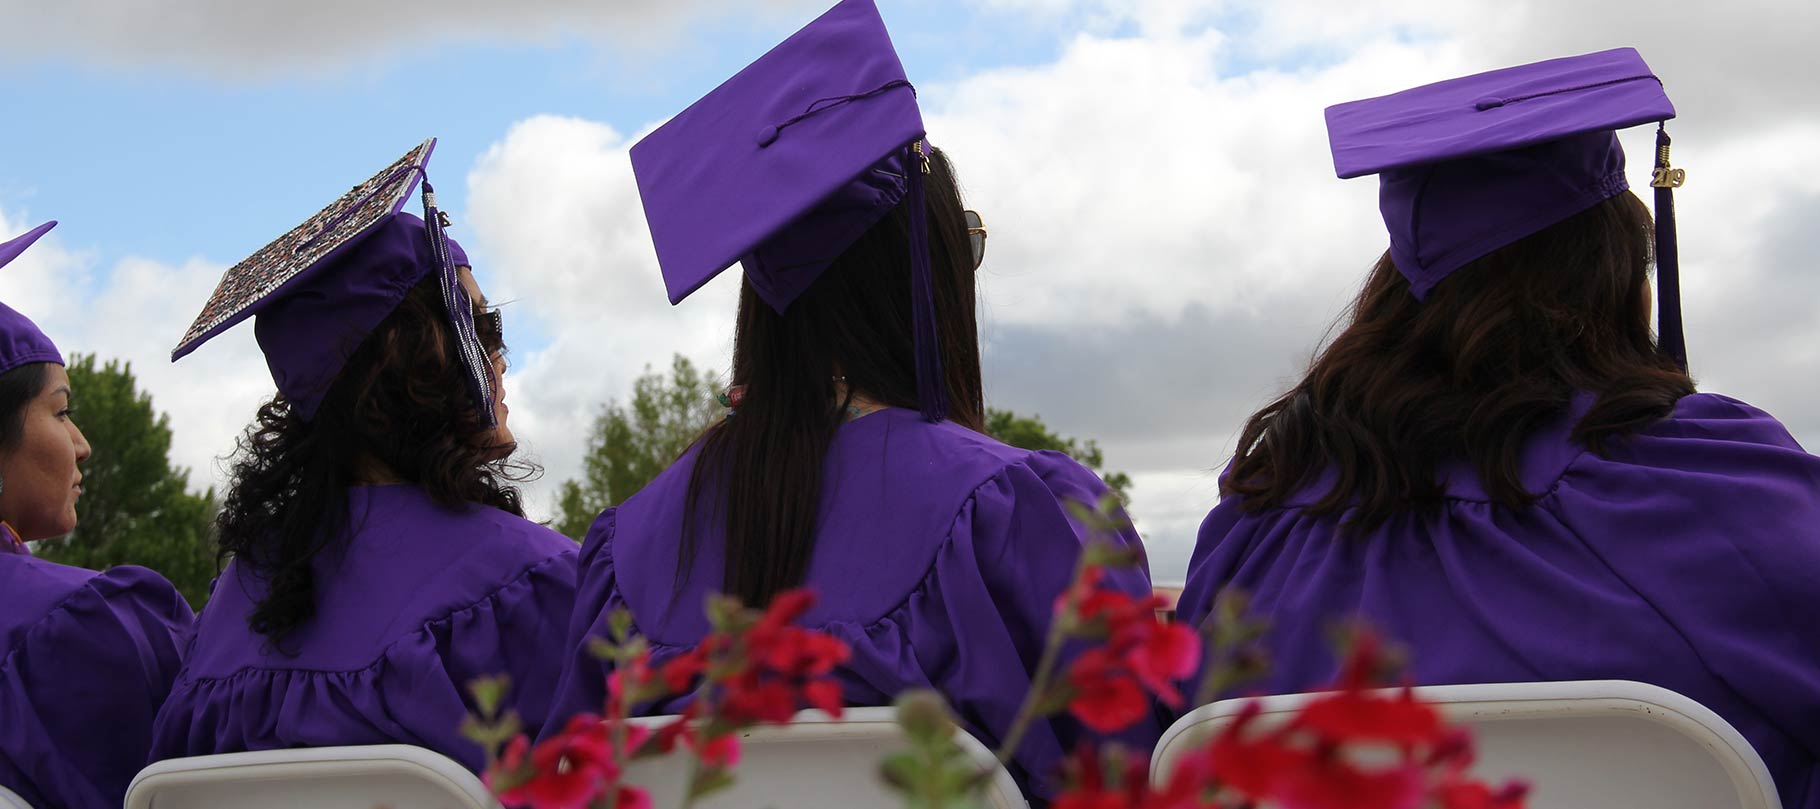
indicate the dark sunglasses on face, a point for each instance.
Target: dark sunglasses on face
{"x":489,"y":326}
{"x":976,"y":237}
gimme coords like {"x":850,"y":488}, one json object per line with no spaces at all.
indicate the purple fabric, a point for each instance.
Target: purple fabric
{"x":938,"y":558}
{"x":86,"y":658}
{"x":1471,"y":164}
{"x":1685,"y":558}
{"x":785,"y":164}
{"x":309,"y":332}
{"x":423,"y":601}
{"x":21,"y":342}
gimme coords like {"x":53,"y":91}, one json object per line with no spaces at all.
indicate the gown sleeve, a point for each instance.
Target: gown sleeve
{"x":78,"y":694}
{"x":515,"y":632}
{"x":1713,"y":518}
{"x":582,"y":684}
{"x":1011,"y":554}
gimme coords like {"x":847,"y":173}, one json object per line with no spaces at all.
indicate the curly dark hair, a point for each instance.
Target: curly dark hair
{"x":1498,"y":349}
{"x":401,"y":403}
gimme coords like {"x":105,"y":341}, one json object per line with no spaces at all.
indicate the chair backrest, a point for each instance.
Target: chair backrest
{"x":390,"y":775}
{"x":1613,"y":744}
{"x":11,"y":800}
{"x":814,"y":761}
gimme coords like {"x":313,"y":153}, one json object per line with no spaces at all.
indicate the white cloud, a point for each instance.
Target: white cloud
{"x":1168,"y":241}
{"x":135,"y":311}
{"x":242,"y":39}
{"x":555,"y":204}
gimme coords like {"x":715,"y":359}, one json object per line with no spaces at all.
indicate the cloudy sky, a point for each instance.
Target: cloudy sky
{"x":1168,"y":239}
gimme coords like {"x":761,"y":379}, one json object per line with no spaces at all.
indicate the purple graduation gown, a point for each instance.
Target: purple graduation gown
{"x":939,"y":554}
{"x":423,"y":601}
{"x":1688,"y":557}
{"x":86,"y":658}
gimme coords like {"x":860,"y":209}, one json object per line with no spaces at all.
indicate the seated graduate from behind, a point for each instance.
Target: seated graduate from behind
{"x":853,"y":460}
{"x":86,"y":658}
{"x":1495,"y":463}
{"x":381,"y":561}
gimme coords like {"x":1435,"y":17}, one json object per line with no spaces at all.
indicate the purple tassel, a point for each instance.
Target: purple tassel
{"x":931,"y":386}
{"x":460,"y":309}
{"x":1668,"y":259}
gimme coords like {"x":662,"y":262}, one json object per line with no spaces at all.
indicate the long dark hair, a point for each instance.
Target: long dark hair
{"x":400,"y":401}
{"x":761,"y":471}
{"x":1498,"y":349}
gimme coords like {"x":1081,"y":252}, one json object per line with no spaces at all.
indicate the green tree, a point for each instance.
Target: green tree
{"x":1029,"y":432}
{"x":630,"y":443}
{"x":136,"y":508}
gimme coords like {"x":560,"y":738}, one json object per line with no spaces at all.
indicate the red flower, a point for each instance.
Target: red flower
{"x":1252,"y":766}
{"x":785,"y":608}
{"x":632,"y":798}
{"x":826,"y":696}
{"x":1366,"y":716}
{"x":1105,"y":699}
{"x":798,"y":652}
{"x":749,"y":700}
{"x":1330,"y":782}
{"x":569,"y":770}
{"x":679,"y":672}
{"x":1456,"y":794}
{"x":721,"y":751}
{"x":1163,"y":654}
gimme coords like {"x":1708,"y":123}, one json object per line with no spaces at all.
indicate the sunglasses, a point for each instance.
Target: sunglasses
{"x":976,"y":237}
{"x":489,"y":326}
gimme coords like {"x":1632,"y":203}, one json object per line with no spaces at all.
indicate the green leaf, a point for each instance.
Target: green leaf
{"x":629,"y":443}
{"x":489,"y":693}
{"x":619,"y":623}
{"x":708,"y":781}
{"x":1029,"y":432}
{"x":903,"y":770}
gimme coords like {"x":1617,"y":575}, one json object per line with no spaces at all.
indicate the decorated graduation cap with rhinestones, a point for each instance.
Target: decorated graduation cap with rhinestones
{"x":318,"y":290}
{"x":21,"y":341}
{"x":1469,"y":165}
{"x":785,"y":165}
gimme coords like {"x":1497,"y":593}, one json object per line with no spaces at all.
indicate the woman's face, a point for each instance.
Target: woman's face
{"x":502,"y":434}
{"x":39,"y":478}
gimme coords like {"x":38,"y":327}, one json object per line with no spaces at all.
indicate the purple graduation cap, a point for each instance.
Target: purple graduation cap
{"x":1468,"y":165}
{"x":21,"y":341}
{"x":785,"y":165}
{"x":321,"y":288}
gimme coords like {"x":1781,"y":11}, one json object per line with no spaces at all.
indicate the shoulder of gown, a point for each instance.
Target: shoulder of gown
{"x":959,"y":602}
{"x":404,"y":623}
{"x":1713,"y":518}
{"x":1696,"y":542}
{"x":82,"y":678}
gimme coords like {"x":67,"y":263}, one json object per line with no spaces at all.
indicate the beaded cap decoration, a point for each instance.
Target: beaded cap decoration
{"x":322,"y":287}
{"x":275,"y":264}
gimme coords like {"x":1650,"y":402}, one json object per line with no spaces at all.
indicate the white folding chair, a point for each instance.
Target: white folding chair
{"x":814,"y":761}
{"x":1611,"y":744}
{"x":11,"y":800}
{"x":396,"y":776}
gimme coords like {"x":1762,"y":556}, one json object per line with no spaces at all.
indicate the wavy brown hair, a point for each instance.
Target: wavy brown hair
{"x":1498,"y":349}
{"x":402,"y":404}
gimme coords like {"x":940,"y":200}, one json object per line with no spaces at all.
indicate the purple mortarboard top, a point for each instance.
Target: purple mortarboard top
{"x":1469,"y":165}
{"x":21,"y":341}
{"x":321,"y":288}
{"x":785,"y":165}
